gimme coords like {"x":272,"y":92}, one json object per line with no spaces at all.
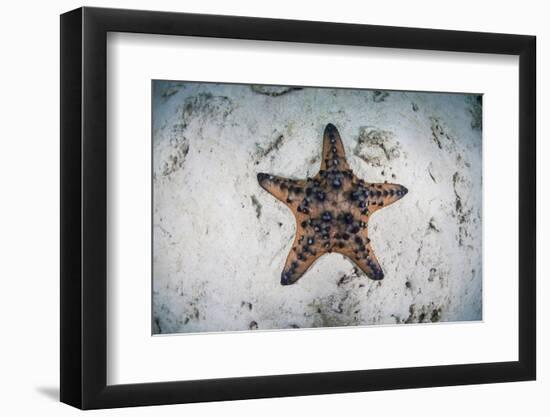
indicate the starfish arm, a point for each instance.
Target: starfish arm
{"x":369,"y":265}
{"x":334,"y":156}
{"x":286,"y":190}
{"x":361,"y":253}
{"x":305,"y":250}
{"x":384,"y":194}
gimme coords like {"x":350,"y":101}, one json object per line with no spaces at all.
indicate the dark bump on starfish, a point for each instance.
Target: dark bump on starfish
{"x":261,"y":177}
{"x":327,"y":216}
{"x":377,"y":274}
{"x":285,"y":278}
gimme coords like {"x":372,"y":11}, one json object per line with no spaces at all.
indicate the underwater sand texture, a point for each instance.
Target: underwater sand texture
{"x":220,"y":241}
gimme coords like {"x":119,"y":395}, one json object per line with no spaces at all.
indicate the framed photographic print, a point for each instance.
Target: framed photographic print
{"x":257,"y":207}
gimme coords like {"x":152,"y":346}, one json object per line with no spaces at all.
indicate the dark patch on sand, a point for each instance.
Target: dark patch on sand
{"x":431,"y":174}
{"x":274,"y":145}
{"x":462,"y":213}
{"x":439,"y":134}
{"x":475,"y":110}
{"x":379,"y":96}
{"x":257,"y":206}
{"x":376,"y":146}
{"x":432,"y":226}
{"x":430,"y":313}
{"x":273,"y":90}
{"x":179,"y":148}
{"x":247,"y":305}
{"x":205,"y":106}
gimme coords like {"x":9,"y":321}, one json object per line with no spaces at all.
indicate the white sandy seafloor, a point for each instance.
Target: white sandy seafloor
{"x":220,"y":241}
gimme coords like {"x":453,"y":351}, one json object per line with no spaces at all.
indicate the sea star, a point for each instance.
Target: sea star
{"x":332,"y":211}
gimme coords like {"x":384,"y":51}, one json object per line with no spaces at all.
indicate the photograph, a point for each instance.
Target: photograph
{"x":266,"y":209}
{"x":296,"y":207}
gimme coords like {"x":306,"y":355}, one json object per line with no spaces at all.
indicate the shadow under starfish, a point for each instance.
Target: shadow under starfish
{"x":332,"y":211}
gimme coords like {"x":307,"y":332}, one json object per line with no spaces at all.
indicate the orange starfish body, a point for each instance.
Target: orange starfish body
{"x":332,"y":211}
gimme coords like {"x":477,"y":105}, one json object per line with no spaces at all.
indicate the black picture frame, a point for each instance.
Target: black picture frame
{"x":84,"y":207}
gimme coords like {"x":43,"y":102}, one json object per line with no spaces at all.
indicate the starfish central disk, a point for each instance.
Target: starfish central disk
{"x":332,"y":211}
